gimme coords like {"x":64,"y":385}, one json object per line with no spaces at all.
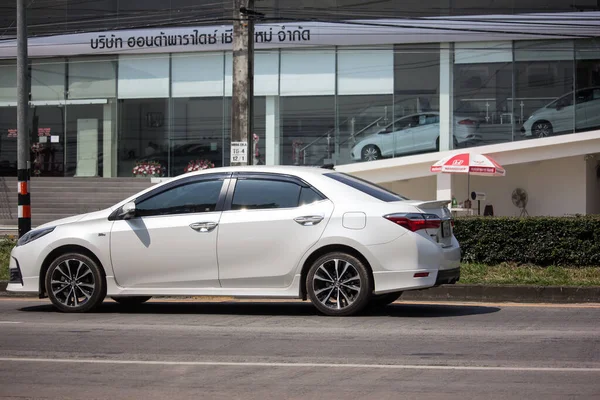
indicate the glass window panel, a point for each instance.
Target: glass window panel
{"x":364,"y":71}
{"x":8,"y":82}
{"x":361,"y":119}
{"x":252,"y":194}
{"x":197,"y":135}
{"x":48,"y":79}
{"x":307,"y":72}
{"x":143,"y":76}
{"x":198,"y":75}
{"x":143,"y":127}
{"x":92,"y":78}
{"x":587,"y":64}
{"x":544,"y":73}
{"x":266,"y":73}
{"x":482,"y":94}
{"x":307,"y":126}
{"x":482,"y":52}
{"x":416,"y":94}
{"x":197,"y":197}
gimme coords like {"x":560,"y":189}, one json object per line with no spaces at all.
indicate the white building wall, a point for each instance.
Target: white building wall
{"x":417,"y":189}
{"x":555,"y":188}
{"x":593,"y":186}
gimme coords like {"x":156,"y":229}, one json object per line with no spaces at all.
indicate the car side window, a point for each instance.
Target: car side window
{"x":195,"y":197}
{"x":583,"y":96}
{"x":309,"y":196}
{"x":255,"y":194}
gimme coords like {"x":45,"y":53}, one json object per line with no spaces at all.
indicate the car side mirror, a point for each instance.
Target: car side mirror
{"x":127,"y":211}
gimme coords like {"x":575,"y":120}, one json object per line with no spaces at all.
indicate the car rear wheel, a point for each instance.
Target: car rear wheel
{"x":131,"y":300}
{"x":370,"y":153}
{"x":382,"y":300}
{"x":542,"y":129}
{"x":75,"y":283}
{"x":339,"y":284}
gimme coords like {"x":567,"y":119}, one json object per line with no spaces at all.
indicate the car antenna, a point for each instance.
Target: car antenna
{"x":328,"y":166}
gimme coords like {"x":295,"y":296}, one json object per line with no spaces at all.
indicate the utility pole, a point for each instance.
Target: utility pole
{"x":24,"y":200}
{"x":242,"y":102}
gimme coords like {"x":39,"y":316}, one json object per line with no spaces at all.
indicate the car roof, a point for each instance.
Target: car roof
{"x":274,"y":169}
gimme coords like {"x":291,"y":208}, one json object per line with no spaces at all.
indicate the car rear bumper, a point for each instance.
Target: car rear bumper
{"x":447,"y":276}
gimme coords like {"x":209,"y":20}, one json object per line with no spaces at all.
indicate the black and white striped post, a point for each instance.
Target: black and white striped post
{"x":24,"y":200}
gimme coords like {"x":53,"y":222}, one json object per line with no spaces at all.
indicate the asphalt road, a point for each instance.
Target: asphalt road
{"x":284,"y":350}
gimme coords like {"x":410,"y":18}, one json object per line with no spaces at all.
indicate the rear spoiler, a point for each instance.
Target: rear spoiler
{"x":430,"y":204}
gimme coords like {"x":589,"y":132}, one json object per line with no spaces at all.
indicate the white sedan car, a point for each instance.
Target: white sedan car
{"x":277,"y":232}
{"x":413,"y":134}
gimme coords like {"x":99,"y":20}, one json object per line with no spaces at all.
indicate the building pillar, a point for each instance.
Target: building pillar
{"x":444,"y":187}
{"x":272,"y":132}
{"x":446,"y":95}
{"x":109,"y":143}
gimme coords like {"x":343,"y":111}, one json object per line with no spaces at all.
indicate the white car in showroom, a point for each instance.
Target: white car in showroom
{"x":276,"y":232}
{"x":413,"y":133}
{"x":561,"y":116}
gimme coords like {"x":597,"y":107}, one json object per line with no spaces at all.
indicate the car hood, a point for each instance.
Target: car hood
{"x":76,"y":218}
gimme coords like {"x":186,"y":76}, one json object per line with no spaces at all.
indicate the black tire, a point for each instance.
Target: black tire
{"x":75,"y":294}
{"x":370,"y":153}
{"x":131,"y":300}
{"x":542,"y":129}
{"x":340,"y":290}
{"x":382,"y":300}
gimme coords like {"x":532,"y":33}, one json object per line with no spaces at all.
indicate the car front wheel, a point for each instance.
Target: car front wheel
{"x":75,"y":283}
{"x":339,"y":284}
{"x":371,"y":153}
{"x":542,"y":129}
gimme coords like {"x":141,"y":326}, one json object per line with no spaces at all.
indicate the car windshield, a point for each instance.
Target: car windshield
{"x":366,"y":187}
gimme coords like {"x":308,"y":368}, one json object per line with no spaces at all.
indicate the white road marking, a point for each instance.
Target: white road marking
{"x":300,"y":365}
{"x":11,"y":322}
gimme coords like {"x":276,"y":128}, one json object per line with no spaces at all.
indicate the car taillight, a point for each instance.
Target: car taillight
{"x":414,"y":221}
{"x":467,"y":122}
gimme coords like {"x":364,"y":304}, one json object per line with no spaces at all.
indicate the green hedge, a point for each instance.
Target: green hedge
{"x":543,"y":241}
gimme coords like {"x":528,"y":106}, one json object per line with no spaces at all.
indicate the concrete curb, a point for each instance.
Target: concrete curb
{"x":475,"y":293}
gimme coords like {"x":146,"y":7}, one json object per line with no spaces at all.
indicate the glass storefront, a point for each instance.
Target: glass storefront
{"x":103,"y":116}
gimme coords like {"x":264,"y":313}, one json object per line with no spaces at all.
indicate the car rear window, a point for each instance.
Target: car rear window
{"x":366,"y":187}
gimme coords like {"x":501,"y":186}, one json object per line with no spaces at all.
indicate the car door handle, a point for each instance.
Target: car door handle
{"x":309,"y":220}
{"x":203,"y":226}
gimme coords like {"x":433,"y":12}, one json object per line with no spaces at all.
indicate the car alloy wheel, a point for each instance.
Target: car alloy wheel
{"x":338,"y":284}
{"x":75,"y":283}
{"x":371,"y":153}
{"x":541,"y":129}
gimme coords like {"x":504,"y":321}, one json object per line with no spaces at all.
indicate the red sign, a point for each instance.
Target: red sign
{"x":12,"y":133}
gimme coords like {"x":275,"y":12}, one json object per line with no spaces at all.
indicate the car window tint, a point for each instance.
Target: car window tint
{"x":308,"y":196}
{"x":366,"y":187}
{"x":193,"y":197}
{"x":252,"y":194}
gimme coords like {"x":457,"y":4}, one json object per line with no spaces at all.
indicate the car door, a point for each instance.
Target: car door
{"x":269,"y":222}
{"x":172,"y":239}
{"x":402,"y":137}
{"x":562,"y":116}
{"x":427,"y":132}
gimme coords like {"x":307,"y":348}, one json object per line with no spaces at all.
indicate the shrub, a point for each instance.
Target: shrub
{"x":543,"y":241}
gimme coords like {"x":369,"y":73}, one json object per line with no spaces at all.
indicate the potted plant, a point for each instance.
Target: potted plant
{"x":197,"y":165}
{"x":148,"y":168}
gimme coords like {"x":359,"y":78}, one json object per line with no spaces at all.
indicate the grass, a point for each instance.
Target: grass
{"x":511,"y":274}
{"x":6,"y":246}
{"x":504,"y":274}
